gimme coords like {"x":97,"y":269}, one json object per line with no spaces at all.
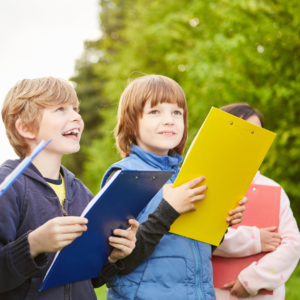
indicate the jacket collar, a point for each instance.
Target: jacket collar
{"x":33,"y":173}
{"x":164,"y":162}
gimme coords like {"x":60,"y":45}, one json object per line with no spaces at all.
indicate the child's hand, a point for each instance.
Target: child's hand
{"x":269,"y":240}
{"x":237,"y":289}
{"x":236,"y":215}
{"x":56,"y":234}
{"x":124,"y":245}
{"x":183,"y":197}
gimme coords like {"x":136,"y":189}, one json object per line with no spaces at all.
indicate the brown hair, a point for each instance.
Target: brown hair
{"x":26,"y":100}
{"x":243,"y":111}
{"x":159,"y":89}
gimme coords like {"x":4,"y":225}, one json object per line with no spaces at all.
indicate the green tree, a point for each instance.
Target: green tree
{"x":90,"y":79}
{"x":220,"y":52}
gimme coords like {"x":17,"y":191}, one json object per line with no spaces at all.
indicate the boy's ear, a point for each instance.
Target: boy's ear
{"x":24,"y":130}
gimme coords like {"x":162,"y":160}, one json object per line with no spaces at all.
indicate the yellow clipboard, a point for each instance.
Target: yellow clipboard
{"x":228,"y":151}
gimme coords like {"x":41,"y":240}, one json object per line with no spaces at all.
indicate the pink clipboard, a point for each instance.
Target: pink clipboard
{"x":262,"y":210}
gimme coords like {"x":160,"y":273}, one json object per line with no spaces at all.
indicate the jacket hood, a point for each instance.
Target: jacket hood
{"x":32,"y":172}
{"x":157,"y":161}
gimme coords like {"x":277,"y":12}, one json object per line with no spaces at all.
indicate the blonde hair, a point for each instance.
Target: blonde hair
{"x":26,"y":100}
{"x":159,"y":89}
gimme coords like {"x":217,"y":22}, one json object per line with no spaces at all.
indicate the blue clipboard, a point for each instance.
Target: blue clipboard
{"x":13,"y":176}
{"x":124,"y":196}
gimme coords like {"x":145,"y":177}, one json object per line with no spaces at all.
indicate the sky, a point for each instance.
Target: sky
{"x":41,"y":38}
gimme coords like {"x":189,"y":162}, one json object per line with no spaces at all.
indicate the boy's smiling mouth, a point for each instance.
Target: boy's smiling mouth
{"x":167,"y":133}
{"x":72,"y":134}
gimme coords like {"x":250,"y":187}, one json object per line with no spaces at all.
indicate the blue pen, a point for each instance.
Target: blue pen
{"x":11,"y":178}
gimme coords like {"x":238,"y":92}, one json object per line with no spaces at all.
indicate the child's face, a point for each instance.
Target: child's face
{"x":64,"y":126}
{"x":161,"y":128}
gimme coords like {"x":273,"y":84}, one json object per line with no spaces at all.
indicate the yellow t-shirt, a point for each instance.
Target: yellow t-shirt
{"x":59,"y":190}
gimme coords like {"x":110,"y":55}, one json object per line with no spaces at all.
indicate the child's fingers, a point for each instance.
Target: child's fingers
{"x":237,"y":210}
{"x":126,"y":250}
{"x":270,"y":248}
{"x":237,"y":216}
{"x":200,"y":189}
{"x":198,"y":197}
{"x":230,"y":284}
{"x":275,"y":235}
{"x":71,"y":228}
{"x":121,"y":241}
{"x":69,"y":236}
{"x":234,"y":222}
{"x":134,"y":225}
{"x":276,"y":243}
{"x":276,"y":238}
{"x":269,"y":228}
{"x":194,"y":182}
{"x":121,"y":232}
{"x":191,"y":207}
{"x":60,"y":244}
{"x":243,"y":201}
{"x":70,"y":220}
{"x":63,"y":244}
{"x":125,"y":234}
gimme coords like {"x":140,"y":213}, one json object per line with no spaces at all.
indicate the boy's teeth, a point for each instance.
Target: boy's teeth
{"x":75,"y":131}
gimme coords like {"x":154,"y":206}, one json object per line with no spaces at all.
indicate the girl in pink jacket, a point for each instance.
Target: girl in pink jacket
{"x":275,"y":268}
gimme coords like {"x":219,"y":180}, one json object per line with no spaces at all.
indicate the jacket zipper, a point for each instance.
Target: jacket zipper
{"x":63,"y":208}
{"x":65,"y":214}
{"x":197,"y":260}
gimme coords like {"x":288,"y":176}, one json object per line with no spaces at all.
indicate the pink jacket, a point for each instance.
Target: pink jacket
{"x":275,"y":268}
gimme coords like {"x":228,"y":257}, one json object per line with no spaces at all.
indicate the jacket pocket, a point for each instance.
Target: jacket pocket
{"x":34,"y":288}
{"x":164,"y":278}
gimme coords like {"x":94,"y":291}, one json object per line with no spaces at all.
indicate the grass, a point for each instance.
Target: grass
{"x":292,"y":287}
{"x":101,"y":293}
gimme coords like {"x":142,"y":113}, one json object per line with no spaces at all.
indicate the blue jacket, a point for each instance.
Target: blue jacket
{"x":180,"y":268}
{"x":26,"y":205}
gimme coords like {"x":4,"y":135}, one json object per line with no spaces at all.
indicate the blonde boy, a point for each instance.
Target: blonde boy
{"x":39,"y":213}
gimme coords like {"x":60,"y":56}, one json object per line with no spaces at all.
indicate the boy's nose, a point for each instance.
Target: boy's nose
{"x":167,"y":119}
{"x":76,"y":117}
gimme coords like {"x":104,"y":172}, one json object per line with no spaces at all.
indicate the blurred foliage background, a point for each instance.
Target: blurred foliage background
{"x":220,"y":52}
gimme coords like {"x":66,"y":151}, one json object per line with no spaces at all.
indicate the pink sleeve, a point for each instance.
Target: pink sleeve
{"x":275,"y":268}
{"x":240,"y":242}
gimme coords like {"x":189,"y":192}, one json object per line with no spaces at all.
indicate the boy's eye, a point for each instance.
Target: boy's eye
{"x":177,"y":112}
{"x":154,"y":112}
{"x":60,"y":109}
{"x":76,"y":109}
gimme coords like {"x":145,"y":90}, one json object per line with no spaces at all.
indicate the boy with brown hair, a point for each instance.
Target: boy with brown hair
{"x":34,"y":211}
